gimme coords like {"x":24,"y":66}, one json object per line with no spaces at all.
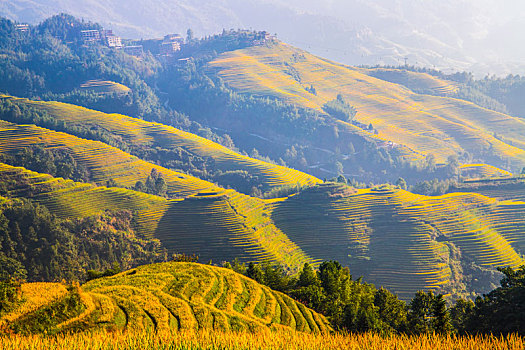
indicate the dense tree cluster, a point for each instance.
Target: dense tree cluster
{"x":356,"y":306}
{"x":36,"y":245}
{"x":340,"y":109}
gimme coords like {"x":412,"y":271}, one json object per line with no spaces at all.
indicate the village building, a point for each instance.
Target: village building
{"x":22,"y":28}
{"x":90,"y":35}
{"x":134,"y":50}
{"x":169,"y":48}
{"x":113,"y":41}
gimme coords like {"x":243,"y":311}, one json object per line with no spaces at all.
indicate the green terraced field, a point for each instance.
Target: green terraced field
{"x":401,"y":240}
{"x":104,"y":162}
{"x":140,"y":132}
{"x":176,"y":296}
{"x":425,"y":124}
{"x":221,"y":225}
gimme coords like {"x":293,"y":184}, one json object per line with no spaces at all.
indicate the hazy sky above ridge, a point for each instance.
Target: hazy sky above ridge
{"x":478,"y":35}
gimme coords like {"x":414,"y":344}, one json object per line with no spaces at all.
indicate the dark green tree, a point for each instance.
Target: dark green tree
{"x":502,"y":311}
{"x":255,"y":272}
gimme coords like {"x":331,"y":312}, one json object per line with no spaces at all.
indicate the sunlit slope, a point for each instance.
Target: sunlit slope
{"x":104,"y":87}
{"x":66,"y":198}
{"x":140,"y":132}
{"x":177,"y":296}
{"x":413,"y":80}
{"x":500,"y":188}
{"x":104,"y":162}
{"x":427,"y":124}
{"x":480,"y":171}
{"x":401,"y":240}
{"x":216,"y":226}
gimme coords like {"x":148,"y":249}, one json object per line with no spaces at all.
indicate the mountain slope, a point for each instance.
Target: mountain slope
{"x":426,"y":124}
{"x":221,"y":225}
{"x":164,"y":296}
{"x":404,"y":241}
{"x":467,"y":35}
{"x":141,"y":133}
{"x":104,"y":162}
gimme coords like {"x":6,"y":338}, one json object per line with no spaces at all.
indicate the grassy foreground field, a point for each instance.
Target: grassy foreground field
{"x":206,"y":339}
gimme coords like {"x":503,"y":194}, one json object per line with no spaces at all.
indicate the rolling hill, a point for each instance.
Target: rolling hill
{"x":221,"y":225}
{"x":405,"y":241}
{"x":393,"y":238}
{"x":177,"y":296}
{"x":140,"y":133}
{"x":425,"y":124}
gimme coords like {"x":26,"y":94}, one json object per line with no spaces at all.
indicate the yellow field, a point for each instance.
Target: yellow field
{"x":104,"y":162}
{"x":214,"y":225}
{"x":140,"y":132}
{"x":215,"y":340}
{"x":425,"y":124}
{"x":413,"y":80}
{"x":480,"y":171}
{"x":104,"y":87}
{"x":400,"y":240}
{"x":175,"y":296}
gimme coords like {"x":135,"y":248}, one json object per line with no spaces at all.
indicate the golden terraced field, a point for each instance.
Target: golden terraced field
{"x":220,"y":225}
{"x":402,"y":240}
{"x":425,"y":124}
{"x":413,"y":80}
{"x":164,"y":297}
{"x":104,"y":162}
{"x":392,"y":237}
{"x":480,"y":171}
{"x":140,"y":132}
{"x":104,"y":87}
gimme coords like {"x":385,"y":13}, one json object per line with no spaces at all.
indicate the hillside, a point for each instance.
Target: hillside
{"x":220,"y":225}
{"x":441,"y":243}
{"x":137,"y":133}
{"x":404,"y":241}
{"x":426,"y":124}
{"x":436,"y":237}
{"x":103,"y":162}
{"x":178,"y":296}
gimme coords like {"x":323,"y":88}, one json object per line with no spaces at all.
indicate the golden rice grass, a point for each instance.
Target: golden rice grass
{"x":206,"y":339}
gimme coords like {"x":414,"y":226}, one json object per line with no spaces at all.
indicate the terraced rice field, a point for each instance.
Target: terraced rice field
{"x":104,"y":162}
{"x":401,"y":240}
{"x":180,"y":296}
{"x":426,"y":124}
{"x":480,"y":171}
{"x":503,"y":189}
{"x":414,"y":81}
{"x":221,"y":225}
{"x":67,"y":199}
{"x":140,"y":132}
{"x":104,"y":87}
